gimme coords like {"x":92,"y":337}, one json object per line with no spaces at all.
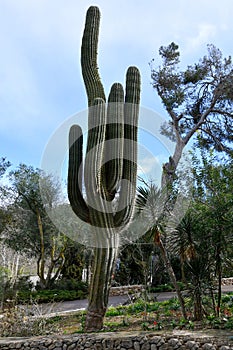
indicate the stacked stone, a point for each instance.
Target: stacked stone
{"x":227,"y":281}
{"x":109,"y":341}
{"x":124,"y":290}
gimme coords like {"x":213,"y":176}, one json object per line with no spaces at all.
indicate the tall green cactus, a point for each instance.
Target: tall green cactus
{"x":110,"y":168}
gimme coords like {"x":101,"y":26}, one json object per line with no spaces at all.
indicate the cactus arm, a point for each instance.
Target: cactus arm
{"x":113,"y":152}
{"x":129,"y":175}
{"x":75,"y":173}
{"x":95,"y":146}
{"x":133,"y":89}
{"x":89,"y":65}
{"x":98,"y":207}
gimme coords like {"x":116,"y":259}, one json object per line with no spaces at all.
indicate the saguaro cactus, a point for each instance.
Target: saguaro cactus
{"x":110,"y":167}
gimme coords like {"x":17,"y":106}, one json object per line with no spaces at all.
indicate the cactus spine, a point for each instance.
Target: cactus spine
{"x":110,"y":168}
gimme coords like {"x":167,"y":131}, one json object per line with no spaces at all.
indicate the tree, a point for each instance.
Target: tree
{"x":133,"y":265}
{"x":74,"y":263}
{"x":4,"y":216}
{"x":214,"y":188}
{"x":198,"y":101}
{"x":203,"y":238}
{"x":30,"y":230}
{"x":189,"y":242}
{"x":154,"y":200}
{"x":4,"y":164}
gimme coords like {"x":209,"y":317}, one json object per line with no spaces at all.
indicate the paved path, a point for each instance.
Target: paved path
{"x":77,"y":305}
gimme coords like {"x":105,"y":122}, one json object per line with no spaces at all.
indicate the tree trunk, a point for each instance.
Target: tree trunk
{"x":198,"y":308}
{"x":172,"y":275}
{"x":41,"y":260}
{"x":219,"y":272}
{"x":102,"y":271}
{"x":213,"y":301}
{"x":168,"y":178}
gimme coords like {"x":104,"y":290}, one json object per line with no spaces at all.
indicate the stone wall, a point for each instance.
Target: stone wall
{"x":227,"y":281}
{"x":110,"y":341}
{"x":137,"y":288}
{"x":123,"y":290}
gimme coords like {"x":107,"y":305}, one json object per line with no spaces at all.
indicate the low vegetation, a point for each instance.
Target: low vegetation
{"x":23,"y":292}
{"x":141,"y":315}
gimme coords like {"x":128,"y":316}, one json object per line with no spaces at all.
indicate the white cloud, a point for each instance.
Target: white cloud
{"x":40,"y":47}
{"x":205,"y":34}
{"x":150,"y":169}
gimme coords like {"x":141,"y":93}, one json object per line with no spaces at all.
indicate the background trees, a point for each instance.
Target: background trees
{"x":4,"y":165}
{"x":30,"y":230}
{"x":198,"y":101}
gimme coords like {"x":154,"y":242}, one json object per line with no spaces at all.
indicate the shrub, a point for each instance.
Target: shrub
{"x":53,"y":295}
{"x":18,"y":322}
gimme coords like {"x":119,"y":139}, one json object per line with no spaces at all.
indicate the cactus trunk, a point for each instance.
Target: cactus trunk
{"x":109,"y":172}
{"x":103,"y":266}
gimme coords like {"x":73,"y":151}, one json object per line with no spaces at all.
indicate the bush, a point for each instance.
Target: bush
{"x":69,"y":284}
{"x":22,"y":290}
{"x":52,"y":295}
{"x":162,"y":288}
{"x":18,"y":322}
{"x":24,"y":283}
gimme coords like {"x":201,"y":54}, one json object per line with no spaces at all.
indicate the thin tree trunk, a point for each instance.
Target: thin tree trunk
{"x":213,"y":300}
{"x":172,"y":275}
{"x":198,"y":308}
{"x":219,"y":285}
{"x":41,"y":260}
{"x":219,"y":269}
{"x":168,"y":177}
{"x":103,"y":267}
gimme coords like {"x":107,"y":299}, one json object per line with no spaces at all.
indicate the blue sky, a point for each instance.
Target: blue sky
{"x":40,"y":75}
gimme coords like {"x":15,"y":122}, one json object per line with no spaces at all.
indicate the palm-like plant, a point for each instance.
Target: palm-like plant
{"x":189,"y":241}
{"x":154,"y":203}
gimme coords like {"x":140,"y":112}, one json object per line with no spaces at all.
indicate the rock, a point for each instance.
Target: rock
{"x":191,"y":344}
{"x":175,"y":343}
{"x":208,"y":346}
{"x":153,"y":347}
{"x":127,"y":344}
{"x":145,"y":346}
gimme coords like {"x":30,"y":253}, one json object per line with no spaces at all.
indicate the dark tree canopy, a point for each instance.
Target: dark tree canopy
{"x":199,"y":98}
{"x":4,"y":164}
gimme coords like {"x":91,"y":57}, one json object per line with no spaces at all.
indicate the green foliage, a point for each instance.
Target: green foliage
{"x":147,"y":316}
{"x":53,"y":295}
{"x":74,"y":263}
{"x":29,"y":229}
{"x":22,"y":291}
{"x":23,"y":231}
{"x":162,"y":288}
{"x":61,"y":290}
{"x":70,"y":284}
{"x":197,"y":98}
{"x":170,"y":54}
{"x":133,"y":264}
{"x":203,"y":238}
{"x":4,"y":164}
